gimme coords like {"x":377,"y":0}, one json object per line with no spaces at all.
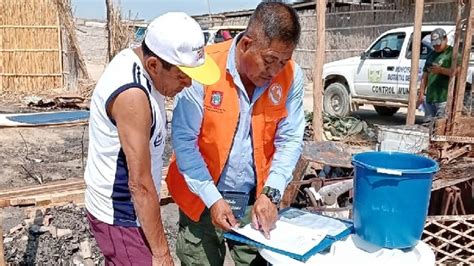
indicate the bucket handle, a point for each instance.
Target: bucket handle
{"x":389,"y":171}
{"x":427,"y":170}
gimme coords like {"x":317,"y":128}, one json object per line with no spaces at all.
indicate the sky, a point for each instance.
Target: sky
{"x":149,"y":9}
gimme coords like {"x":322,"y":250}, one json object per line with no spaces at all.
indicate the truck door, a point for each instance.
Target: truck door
{"x":375,"y":74}
{"x":403,"y":71}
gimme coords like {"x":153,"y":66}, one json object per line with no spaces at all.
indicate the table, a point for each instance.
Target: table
{"x":355,"y":251}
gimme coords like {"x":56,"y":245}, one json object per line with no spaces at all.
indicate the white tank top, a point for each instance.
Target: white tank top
{"x":107,"y":195}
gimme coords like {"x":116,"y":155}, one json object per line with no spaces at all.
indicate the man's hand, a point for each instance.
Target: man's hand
{"x":264,"y":215}
{"x":436,"y":69}
{"x":165,"y":260}
{"x":222,"y":216}
{"x":419,"y":100}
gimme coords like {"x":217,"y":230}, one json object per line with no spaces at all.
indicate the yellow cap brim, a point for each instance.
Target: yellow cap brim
{"x":206,"y":74}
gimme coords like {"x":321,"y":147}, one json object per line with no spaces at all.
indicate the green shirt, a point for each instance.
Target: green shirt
{"x":437,"y":87}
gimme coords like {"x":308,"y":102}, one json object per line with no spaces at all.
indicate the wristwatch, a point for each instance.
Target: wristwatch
{"x":273,"y":194}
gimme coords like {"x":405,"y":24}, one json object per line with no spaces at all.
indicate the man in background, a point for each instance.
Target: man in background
{"x":435,"y":80}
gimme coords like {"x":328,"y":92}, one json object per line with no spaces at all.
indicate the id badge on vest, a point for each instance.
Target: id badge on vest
{"x":238,"y":202}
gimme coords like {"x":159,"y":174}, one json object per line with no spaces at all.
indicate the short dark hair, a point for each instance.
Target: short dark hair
{"x":149,"y":53}
{"x":277,"y":21}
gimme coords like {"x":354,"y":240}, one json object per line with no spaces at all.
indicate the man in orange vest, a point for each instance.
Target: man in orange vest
{"x":237,"y":141}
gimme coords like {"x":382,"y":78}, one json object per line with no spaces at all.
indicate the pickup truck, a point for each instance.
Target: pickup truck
{"x":381,"y":75}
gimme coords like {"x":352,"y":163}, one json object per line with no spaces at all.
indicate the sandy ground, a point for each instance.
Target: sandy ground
{"x":46,"y":154}
{"x":29,"y":154}
{"x":93,"y":44}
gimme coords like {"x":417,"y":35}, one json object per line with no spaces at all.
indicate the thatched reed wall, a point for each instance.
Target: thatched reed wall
{"x":34,"y":49}
{"x":350,"y":29}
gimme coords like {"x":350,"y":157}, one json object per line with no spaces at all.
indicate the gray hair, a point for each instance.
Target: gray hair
{"x":277,"y":21}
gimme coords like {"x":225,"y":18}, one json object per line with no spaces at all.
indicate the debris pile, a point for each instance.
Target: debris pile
{"x":71,"y":101}
{"x":57,"y":236}
{"x":344,"y":129}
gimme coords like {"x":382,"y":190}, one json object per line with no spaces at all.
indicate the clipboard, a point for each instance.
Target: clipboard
{"x":339,"y":229}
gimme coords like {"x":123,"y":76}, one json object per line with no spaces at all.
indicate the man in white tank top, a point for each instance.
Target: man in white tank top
{"x":127,"y":130}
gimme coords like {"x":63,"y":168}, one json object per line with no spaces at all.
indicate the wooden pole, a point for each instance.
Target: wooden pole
{"x":461,"y":85}
{"x":109,"y":7}
{"x":318,"y":71}
{"x":60,"y":53}
{"x":415,"y":60}
{"x":452,"y":77}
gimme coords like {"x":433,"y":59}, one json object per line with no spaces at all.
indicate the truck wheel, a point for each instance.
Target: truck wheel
{"x":336,"y":99}
{"x":386,"y":111}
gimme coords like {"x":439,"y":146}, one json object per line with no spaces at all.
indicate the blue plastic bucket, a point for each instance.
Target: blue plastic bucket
{"x":391,"y":197}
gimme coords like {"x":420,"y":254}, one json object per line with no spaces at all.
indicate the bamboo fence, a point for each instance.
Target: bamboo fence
{"x":30,"y":51}
{"x":34,"y":51}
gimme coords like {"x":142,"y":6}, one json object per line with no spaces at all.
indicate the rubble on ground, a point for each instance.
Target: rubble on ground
{"x":343,"y":129}
{"x":58,"y":236}
{"x":65,"y":101}
{"x":55,"y":236}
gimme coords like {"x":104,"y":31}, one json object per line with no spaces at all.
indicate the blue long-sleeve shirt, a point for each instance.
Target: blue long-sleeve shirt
{"x":238,"y":173}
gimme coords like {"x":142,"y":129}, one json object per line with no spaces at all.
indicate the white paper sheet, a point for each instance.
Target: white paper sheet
{"x":286,"y":236}
{"x":309,"y":220}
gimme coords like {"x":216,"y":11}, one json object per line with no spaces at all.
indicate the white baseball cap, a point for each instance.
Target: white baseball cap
{"x":178,"y":39}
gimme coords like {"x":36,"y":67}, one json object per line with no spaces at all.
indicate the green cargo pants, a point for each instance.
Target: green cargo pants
{"x":200,"y":243}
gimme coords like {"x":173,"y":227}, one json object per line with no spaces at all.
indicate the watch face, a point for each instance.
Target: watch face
{"x":276,"y":197}
{"x":272,"y":194}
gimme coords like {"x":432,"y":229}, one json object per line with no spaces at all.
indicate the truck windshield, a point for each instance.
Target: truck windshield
{"x":389,"y":46}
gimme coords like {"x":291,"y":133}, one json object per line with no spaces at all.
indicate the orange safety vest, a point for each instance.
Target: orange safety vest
{"x":219,"y":123}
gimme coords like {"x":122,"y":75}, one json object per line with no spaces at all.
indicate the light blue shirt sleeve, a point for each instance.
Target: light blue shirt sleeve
{"x":289,"y":136}
{"x":185,"y":128}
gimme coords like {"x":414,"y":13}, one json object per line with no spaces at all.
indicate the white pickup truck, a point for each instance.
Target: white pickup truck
{"x":380,"y":76}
